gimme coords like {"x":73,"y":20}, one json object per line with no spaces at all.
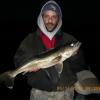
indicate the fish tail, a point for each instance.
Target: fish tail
{"x":7,"y":80}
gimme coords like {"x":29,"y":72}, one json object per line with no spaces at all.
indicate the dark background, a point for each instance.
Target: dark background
{"x":80,"y":18}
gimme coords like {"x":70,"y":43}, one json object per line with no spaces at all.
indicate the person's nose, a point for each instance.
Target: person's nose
{"x":50,"y":20}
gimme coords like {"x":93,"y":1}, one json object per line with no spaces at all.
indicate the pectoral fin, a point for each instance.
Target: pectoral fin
{"x":59,"y":67}
{"x":57,"y":59}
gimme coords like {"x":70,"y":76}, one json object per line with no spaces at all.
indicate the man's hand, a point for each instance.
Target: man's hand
{"x":34,"y":69}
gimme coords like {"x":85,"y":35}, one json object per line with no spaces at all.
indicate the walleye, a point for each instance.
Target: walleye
{"x":45,"y":60}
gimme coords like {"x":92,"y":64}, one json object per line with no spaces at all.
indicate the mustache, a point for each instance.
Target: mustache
{"x":50,"y":24}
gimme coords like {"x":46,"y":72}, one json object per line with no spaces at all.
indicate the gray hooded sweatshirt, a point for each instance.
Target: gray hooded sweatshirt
{"x":50,"y":5}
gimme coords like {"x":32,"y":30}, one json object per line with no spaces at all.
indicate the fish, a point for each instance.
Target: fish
{"x":53,"y":57}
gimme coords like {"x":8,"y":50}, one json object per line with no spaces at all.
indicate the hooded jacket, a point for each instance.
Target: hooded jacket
{"x":48,"y":79}
{"x":50,"y":5}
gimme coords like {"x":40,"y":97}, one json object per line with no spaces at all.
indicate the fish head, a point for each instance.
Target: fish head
{"x":71,"y":49}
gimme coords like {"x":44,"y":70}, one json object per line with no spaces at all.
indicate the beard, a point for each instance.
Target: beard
{"x":50,"y":27}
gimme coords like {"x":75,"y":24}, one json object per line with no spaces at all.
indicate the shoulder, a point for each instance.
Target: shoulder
{"x":68,"y":35}
{"x":29,"y":37}
{"x":27,"y":40}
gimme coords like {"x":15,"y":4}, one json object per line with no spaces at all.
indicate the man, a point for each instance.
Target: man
{"x":48,"y":84}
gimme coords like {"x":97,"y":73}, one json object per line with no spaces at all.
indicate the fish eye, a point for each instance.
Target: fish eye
{"x":72,"y":44}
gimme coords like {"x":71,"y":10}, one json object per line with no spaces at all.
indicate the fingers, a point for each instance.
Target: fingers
{"x":35,"y":69}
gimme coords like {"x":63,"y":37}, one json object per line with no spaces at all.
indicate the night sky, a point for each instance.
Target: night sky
{"x":80,"y":18}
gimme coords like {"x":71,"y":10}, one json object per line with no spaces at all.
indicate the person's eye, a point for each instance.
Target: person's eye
{"x":46,"y":17}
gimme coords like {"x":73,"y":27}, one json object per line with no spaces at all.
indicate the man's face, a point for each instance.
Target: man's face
{"x":50,"y":19}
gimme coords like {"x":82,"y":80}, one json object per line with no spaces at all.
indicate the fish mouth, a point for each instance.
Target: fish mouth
{"x":78,"y":44}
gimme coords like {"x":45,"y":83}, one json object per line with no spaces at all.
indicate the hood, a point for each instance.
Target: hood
{"x":40,"y":22}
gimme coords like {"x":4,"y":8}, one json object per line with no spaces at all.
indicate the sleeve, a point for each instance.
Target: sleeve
{"x":77,"y":62}
{"x":24,"y":53}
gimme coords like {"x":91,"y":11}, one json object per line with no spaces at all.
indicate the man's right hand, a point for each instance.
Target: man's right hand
{"x":34,"y":69}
